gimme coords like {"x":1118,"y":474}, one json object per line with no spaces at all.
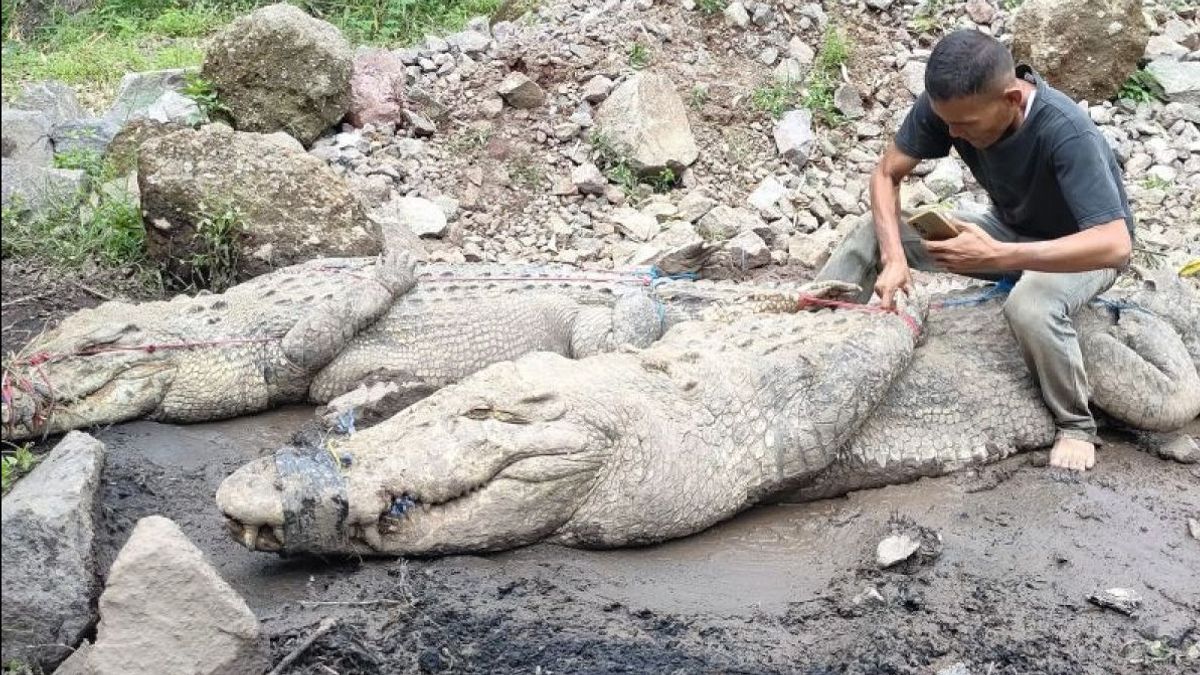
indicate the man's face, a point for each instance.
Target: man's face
{"x":980,"y":119}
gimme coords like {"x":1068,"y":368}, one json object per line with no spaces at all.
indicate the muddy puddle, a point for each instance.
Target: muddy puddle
{"x":782,"y":588}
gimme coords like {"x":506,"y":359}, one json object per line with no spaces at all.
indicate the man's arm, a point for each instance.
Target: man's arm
{"x":1097,"y":247}
{"x":892,"y":168}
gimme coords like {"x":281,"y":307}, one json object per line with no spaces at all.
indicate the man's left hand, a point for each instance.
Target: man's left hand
{"x":973,"y":250}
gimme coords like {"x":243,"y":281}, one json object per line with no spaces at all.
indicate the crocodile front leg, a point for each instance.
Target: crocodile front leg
{"x":331,"y":324}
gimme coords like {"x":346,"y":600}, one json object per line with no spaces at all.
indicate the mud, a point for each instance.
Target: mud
{"x":780,"y":589}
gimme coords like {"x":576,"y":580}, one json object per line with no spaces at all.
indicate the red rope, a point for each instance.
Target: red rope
{"x":812,"y":300}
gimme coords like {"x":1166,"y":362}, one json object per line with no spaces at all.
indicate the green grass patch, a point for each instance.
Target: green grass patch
{"x":823,"y":79}
{"x":214,"y":262}
{"x":639,"y":56}
{"x":618,"y":168}
{"x":1140,"y":87}
{"x":711,"y":7}
{"x":15,"y":461}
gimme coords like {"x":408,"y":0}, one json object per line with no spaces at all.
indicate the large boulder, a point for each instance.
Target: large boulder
{"x":646,"y":121}
{"x":34,"y":190}
{"x":140,"y":93}
{"x":49,"y":530}
{"x":1179,"y":80}
{"x":279,"y":69}
{"x":166,"y":610}
{"x":287,"y":206}
{"x":376,"y":89}
{"x":52,"y":98}
{"x":25,"y":137}
{"x":1085,"y":48}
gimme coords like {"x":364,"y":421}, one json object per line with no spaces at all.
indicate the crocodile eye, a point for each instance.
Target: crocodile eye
{"x":504,"y":416}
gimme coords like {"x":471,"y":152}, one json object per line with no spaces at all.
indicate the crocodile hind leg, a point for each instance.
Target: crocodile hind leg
{"x":331,"y":324}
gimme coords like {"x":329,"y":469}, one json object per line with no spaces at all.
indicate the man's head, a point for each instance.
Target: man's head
{"x":972,"y":86}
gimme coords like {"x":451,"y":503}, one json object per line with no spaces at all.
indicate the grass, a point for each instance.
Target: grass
{"x":1011,"y":5}
{"x":14,"y":463}
{"x":1140,"y":87}
{"x":927,"y":18}
{"x":775,"y":98}
{"x":214,"y":261}
{"x":639,"y":56}
{"x":819,"y":87}
{"x":617,"y":167}
{"x":525,"y":173}
{"x":698,"y":97}
{"x":711,"y":7}
{"x":1156,"y":183}
{"x":204,"y":94}
{"x":92,"y":50}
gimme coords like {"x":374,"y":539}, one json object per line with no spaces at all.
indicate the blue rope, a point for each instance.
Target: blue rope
{"x":998,"y":289}
{"x":657,"y":276}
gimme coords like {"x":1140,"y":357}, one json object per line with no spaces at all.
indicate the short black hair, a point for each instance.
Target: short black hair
{"x":964,"y":63}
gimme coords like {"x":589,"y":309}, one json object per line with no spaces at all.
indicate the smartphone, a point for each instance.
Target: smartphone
{"x":933,"y":226}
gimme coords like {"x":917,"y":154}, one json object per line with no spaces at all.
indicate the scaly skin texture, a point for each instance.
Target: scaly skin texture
{"x":320,"y":329}
{"x":191,"y":359}
{"x":642,"y":446}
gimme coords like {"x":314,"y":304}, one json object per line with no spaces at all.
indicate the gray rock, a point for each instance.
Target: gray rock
{"x":52,"y":98}
{"x":166,"y":610}
{"x":794,"y":136}
{"x":597,"y":89}
{"x":423,"y":217}
{"x":279,"y":69}
{"x":138,"y":92}
{"x":981,"y":11}
{"x":289,"y":205}
{"x":946,"y":179}
{"x":789,"y":71}
{"x":1124,"y":600}
{"x":848,"y":101}
{"x":767,"y":194}
{"x":842,"y":201}
{"x":1194,"y":528}
{"x":736,"y":15}
{"x":76,"y":663}
{"x":695,"y":205}
{"x":748,"y":251}
{"x":1185,"y":33}
{"x":913,"y":74}
{"x":798,"y":49}
{"x":813,"y":249}
{"x":421,"y":125}
{"x":49,"y":531}
{"x":1087,"y":48}
{"x":1180,"y":80}
{"x":376,"y":89}
{"x":869,"y":596}
{"x":634,"y":224}
{"x":471,"y":42}
{"x":768,"y":56}
{"x":959,"y":668}
{"x":895,"y":549}
{"x":645,"y":119}
{"x":25,"y":137}
{"x":34,"y":191}
{"x":173,"y":108}
{"x":87,"y":135}
{"x":1161,"y":46}
{"x":521,"y":92}
{"x":762,"y":15}
{"x":880,"y":5}
{"x":725,"y":222}
{"x":588,"y":179}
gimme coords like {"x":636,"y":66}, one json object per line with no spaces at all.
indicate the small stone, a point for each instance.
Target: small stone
{"x":423,"y":217}
{"x":959,"y":668}
{"x":521,"y":92}
{"x":491,"y":107}
{"x":635,"y":224}
{"x":562,"y":187}
{"x":946,"y":179}
{"x":747,"y":251}
{"x":798,"y":49}
{"x":848,"y":101}
{"x":1160,"y":46}
{"x":789,"y":71}
{"x":588,"y":179}
{"x":768,"y":56}
{"x":767,"y":194}
{"x":880,"y":5}
{"x":812,"y":250}
{"x":794,"y":136}
{"x":981,"y":11}
{"x":1123,"y":600}
{"x":762,"y":15}
{"x":1194,"y":528}
{"x":895,"y":549}
{"x":695,"y":205}
{"x":843,"y":202}
{"x":869,"y":596}
{"x":420,"y":124}
{"x":471,"y":42}
{"x":736,"y":15}
{"x":725,"y":222}
{"x":597,"y":89}
{"x":1165,"y":174}
{"x":913,"y":74}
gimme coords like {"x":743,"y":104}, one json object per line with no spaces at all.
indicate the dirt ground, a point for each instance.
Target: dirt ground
{"x":771,"y":591}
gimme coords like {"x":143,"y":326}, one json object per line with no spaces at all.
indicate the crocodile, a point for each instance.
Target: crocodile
{"x":319,"y":329}
{"x":642,"y":445}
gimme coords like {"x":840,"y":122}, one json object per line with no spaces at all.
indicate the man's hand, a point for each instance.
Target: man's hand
{"x":973,"y":250}
{"x":893,"y":277}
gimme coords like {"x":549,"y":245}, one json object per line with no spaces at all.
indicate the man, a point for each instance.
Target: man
{"x":1059,"y":217}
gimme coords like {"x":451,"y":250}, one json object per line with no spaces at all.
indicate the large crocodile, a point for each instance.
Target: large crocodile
{"x":321,"y":328}
{"x":645,"y":445}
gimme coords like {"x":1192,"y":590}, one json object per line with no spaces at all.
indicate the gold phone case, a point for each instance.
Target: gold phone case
{"x":933,"y":226}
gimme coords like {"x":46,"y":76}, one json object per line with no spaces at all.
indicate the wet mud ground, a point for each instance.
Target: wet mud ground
{"x":771,"y":591}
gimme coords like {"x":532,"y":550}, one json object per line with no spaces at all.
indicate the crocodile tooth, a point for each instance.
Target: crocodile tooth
{"x":250,"y":536}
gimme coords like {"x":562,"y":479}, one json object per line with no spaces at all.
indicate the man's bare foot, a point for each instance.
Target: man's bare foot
{"x":1073,"y":454}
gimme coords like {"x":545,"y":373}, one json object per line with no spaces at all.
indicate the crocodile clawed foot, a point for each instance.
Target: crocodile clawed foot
{"x":397,"y":270}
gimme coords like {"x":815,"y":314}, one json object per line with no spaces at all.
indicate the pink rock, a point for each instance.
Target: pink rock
{"x":376,"y":89}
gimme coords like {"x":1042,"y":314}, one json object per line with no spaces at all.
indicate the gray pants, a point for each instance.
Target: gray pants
{"x":1038,"y":310}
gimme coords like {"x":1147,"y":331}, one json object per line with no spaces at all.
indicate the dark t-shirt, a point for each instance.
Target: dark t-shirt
{"x":1054,"y":176}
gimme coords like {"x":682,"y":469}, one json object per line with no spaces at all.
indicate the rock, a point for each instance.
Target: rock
{"x":736,"y":15}
{"x":53,"y":99}
{"x":767,"y":194}
{"x":471,"y":42}
{"x":869,"y":596}
{"x":634,"y":224}
{"x":695,"y":205}
{"x":1085,"y":48}
{"x":1179,"y":80}
{"x":913,"y":74}
{"x":521,"y":92}
{"x":86,"y":135}
{"x":813,"y":249}
{"x":1124,"y":600}
{"x":768,"y":56}
{"x":597,"y":89}
{"x":423,"y":217}
{"x":725,"y":222}
{"x":279,"y":69}
{"x":588,"y":179}
{"x":842,"y":201}
{"x":287,"y":206}
{"x":25,"y":137}
{"x":166,"y":610}
{"x":1185,"y":33}
{"x":33,"y":191}
{"x":895,"y":549}
{"x":946,"y":179}
{"x":138,"y":92}
{"x":76,"y":663}
{"x":848,"y":101}
{"x":748,"y":251}
{"x":800,"y":50}
{"x":1160,"y":46}
{"x":421,"y":125}
{"x":122,"y":152}
{"x":880,"y":5}
{"x":682,"y":249}
{"x":959,"y":668}
{"x":49,"y":530}
{"x":646,"y":121}
{"x":1194,"y":528}
{"x":762,"y":15}
{"x":794,"y":136}
{"x":376,"y":89}
{"x":789,"y":71}
{"x":981,"y":11}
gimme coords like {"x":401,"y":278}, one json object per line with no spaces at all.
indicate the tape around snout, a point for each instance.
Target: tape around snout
{"x":314,"y":500}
